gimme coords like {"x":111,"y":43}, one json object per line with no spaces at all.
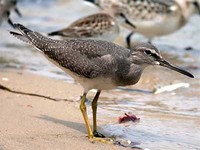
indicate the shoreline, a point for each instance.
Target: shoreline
{"x":32,"y":122}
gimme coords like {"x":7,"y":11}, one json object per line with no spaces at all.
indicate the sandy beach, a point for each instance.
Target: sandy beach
{"x":32,"y":122}
{"x":39,"y":103}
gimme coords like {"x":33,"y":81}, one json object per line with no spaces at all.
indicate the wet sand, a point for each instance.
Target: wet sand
{"x":30,"y":122}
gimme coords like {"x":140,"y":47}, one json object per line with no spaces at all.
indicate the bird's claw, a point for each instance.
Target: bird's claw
{"x":102,"y":140}
{"x":97,"y":134}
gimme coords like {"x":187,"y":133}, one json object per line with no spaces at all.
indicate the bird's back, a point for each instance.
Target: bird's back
{"x":151,"y":17}
{"x":87,"y":58}
{"x":99,"y":26}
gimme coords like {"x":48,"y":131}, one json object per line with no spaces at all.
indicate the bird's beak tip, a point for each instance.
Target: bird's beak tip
{"x":192,"y":76}
{"x":164,"y":63}
{"x":92,"y":1}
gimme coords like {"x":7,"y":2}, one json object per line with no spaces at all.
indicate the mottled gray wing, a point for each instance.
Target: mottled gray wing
{"x":75,"y":32}
{"x":168,"y":3}
{"x":142,"y":10}
{"x":86,"y":27}
{"x":88,"y":58}
{"x":151,"y":3}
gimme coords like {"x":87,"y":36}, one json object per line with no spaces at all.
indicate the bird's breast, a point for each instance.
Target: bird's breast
{"x":101,"y":83}
{"x":159,"y":27}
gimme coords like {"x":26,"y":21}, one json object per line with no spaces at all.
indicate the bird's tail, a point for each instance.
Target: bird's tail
{"x":30,"y":36}
{"x":21,"y":37}
{"x":24,"y":37}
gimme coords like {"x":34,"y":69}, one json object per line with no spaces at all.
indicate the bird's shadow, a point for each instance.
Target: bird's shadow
{"x":73,"y":125}
{"x":81,"y":128}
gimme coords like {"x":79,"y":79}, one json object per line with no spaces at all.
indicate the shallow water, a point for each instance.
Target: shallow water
{"x":168,"y":120}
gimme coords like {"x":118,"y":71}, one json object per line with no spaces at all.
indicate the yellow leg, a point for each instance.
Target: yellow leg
{"x":94,"y":110}
{"x":90,"y":134}
{"x":84,"y":113}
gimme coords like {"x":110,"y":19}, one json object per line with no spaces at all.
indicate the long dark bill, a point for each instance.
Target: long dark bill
{"x":91,"y":1}
{"x":164,"y":63}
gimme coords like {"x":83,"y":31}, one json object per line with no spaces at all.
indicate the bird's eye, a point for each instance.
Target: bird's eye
{"x":147,"y":52}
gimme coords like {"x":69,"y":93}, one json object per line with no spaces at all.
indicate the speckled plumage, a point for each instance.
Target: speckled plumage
{"x":91,"y":62}
{"x":149,"y":9}
{"x":100,"y":26}
{"x":97,"y":65}
{"x":86,"y":58}
{"x":153,"y":17}
{"x":139,"y":9}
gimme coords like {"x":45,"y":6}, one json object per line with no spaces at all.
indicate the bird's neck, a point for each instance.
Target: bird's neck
{"x":187,"y":10}
{"x":130,"y":76}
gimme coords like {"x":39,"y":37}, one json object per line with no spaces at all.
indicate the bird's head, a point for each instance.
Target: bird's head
{"x":93,"y":2}
{"x":196,"y":4}
{"x":189,"y":7}
{"x":192,"y":6}
{"x":145,"y":54}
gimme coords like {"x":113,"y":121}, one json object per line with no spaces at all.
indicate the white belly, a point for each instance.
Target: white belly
{"x":99,"y":83}
{"x":155,"y":24}
{"x":158,"y":28}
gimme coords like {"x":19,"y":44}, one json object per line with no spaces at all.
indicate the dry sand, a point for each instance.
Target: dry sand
{"x":36,"y":123}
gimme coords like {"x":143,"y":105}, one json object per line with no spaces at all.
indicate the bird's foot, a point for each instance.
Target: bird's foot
{"x":102,"y":140}
{"x":97,"y":134}
{"x":98,"y":137}
{"x":114,"y":141}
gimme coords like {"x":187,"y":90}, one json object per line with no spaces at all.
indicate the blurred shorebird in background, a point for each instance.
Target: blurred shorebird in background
{"x":99,"y":26}
{"x":12,"y":4}
{"x":152,"y":17}
{"x":96,"y":64}
{"x":5,"y":7}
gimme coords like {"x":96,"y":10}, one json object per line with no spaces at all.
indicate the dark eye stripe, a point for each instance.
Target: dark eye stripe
{"x":155,"y":56}
{"x":149,"y":53}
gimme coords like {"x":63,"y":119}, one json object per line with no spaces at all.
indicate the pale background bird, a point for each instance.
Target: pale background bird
{"x":6,"y":6}
{"x":99,"y":26}
{"x":96,"y":26}
{"x":153,"y":18}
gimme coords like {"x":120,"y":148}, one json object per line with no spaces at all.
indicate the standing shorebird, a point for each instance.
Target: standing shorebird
{"x":96,"y":64}
{"x":5,"y":7}
{"x":152,"y":17}
{"x":99,"y":26}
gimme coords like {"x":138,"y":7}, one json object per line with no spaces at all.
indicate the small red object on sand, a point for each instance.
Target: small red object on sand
{"x":128,"y":117}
